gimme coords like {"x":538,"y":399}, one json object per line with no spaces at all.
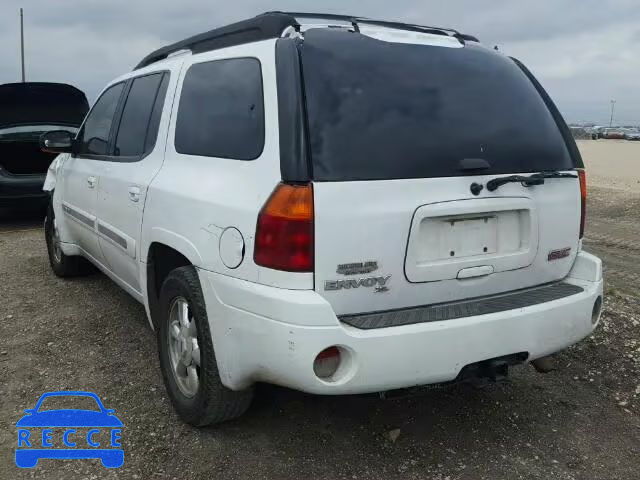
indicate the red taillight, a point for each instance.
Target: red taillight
{"x":583,"y":199}
{"x":284,"y":234}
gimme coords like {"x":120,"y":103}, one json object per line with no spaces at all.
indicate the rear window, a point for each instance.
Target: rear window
{"x":221,"y":111}
{"x":378,"y":110}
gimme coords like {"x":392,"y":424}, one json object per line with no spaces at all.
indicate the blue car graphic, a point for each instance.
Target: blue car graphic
{"x":28,"y":456}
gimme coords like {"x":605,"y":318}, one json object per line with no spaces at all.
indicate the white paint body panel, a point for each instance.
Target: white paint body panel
{"x":273,"y":335}
{"x":392,"y":212}
{"x":80,"y":197}
{"x":269,"y":325}
{"x":121,"y":199}
{"x":195,"y":205}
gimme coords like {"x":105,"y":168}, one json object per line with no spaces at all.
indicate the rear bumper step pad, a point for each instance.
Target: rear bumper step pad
{"x":462,"y":309}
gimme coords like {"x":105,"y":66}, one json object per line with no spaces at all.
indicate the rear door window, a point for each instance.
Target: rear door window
{"x":221,"y":111}
{"x":137,"y":132}
{"x":379,"y":110}
{"x":94,"y":138}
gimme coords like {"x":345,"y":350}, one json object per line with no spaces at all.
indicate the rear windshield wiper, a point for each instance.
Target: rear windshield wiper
{"x":527,"y":181}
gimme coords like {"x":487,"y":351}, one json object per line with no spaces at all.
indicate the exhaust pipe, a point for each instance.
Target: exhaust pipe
{"x":544,"y":364}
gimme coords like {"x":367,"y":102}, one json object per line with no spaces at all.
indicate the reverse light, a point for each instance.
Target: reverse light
{"x":284,"y":232}
{"x":583,"y":199}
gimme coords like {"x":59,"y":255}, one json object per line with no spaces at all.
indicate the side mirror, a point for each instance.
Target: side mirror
{"x":57,"y":141}
{"x":29,"y":410}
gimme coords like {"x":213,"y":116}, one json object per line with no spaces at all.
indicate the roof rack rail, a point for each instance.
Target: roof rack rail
{"x":272,"y":25}
{"x":261,"y":27}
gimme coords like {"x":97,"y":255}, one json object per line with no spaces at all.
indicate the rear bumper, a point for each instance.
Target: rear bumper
{"x":267,"y":334}
{"x":18,"y":190}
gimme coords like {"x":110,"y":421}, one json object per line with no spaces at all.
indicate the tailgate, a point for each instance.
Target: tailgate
{"x":393,"y":244}
{"x":397,"y":134}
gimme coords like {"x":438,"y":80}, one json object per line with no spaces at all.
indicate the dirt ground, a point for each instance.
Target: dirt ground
{"x":579,"y":422}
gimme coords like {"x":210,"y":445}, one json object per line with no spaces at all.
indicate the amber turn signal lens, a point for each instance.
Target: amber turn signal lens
{"x":583,"y":199}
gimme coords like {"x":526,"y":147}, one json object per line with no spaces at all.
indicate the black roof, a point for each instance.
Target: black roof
{"x":271,"y":25}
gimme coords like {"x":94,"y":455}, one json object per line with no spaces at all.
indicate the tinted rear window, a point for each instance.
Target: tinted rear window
{"x":379,"y":110}
{"x":221,"y":110}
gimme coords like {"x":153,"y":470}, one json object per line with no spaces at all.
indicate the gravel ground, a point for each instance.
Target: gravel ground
{"x":579,"y":422}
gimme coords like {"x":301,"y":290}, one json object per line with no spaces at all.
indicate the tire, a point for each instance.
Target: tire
{"x":205,"y":401}
{"x":63,"y":266}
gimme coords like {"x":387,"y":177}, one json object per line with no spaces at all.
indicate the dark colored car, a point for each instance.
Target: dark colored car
{"x":27,"y":110}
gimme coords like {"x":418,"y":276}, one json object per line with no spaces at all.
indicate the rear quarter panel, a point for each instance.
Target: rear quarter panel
{"x":193,"y":199}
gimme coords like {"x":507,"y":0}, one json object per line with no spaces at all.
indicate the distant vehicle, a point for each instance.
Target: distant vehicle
{"x":596,"y":131}
{"x":633,"y":135}
{"x":591,"y":132}
{"x":329,"y":232}
{"x":581,"y":133}
{"x":27,"y":110}
{"x":613,"y":134}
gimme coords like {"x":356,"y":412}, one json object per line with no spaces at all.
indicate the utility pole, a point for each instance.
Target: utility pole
{"x":613,"y":107}
{"x":22,"y":42}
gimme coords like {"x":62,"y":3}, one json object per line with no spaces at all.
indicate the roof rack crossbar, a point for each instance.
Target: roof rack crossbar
{"x":382,"y":23}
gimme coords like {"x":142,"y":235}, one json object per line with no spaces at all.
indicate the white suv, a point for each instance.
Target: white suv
{"x":332,"y":204}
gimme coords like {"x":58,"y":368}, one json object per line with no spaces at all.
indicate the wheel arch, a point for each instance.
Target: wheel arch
{"x":166,"y":252}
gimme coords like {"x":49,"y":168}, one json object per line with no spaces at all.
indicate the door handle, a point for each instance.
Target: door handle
{"x":134,"y":194}
{"x":91,"y":181}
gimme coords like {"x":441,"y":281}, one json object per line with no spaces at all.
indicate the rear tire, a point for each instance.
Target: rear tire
{"x":192,"y":380}
{"x":62,"y":265}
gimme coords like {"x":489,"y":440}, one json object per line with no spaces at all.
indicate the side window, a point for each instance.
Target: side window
{"x":156,"y":115}
{"x":94,"y":138}
{"x":221,"y":111}
{"x":138,"y":128}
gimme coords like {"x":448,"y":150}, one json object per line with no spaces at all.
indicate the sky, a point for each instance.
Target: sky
{"x":584,"y":52}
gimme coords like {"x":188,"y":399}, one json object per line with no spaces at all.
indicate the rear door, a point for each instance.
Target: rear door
{"x":398,"y":134}
{"x":80,"y":173}
{"x":137,"y":155}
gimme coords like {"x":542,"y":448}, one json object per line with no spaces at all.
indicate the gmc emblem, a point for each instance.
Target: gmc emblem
{"x":558,"y":254}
